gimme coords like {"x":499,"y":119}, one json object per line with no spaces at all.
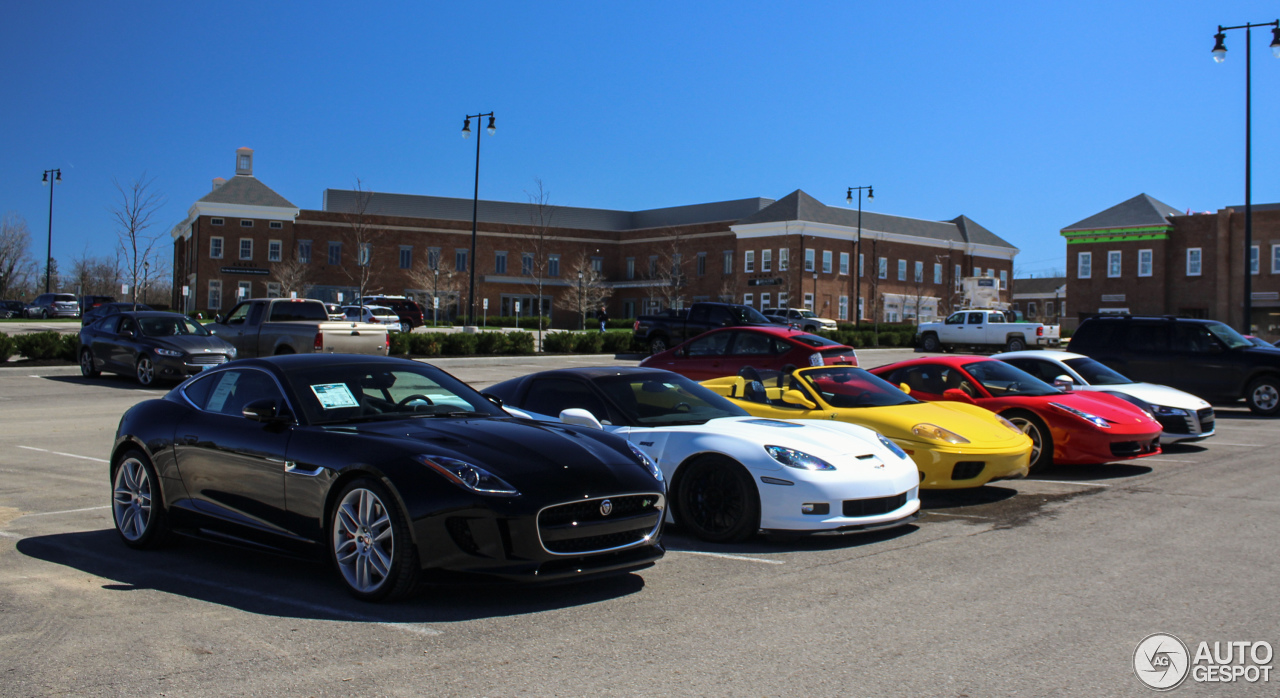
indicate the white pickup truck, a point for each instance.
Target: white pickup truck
{"x":978,"y":327}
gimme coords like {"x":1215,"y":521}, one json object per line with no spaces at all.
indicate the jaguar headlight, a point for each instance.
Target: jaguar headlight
{"x":937,"y":433}
{"x":897,"y":451}
{"x":1093,"y":419}
{"x":1008,"y":425}
{"x":646,"y":461}
{"x":167,"y":352}
{"x":469,"y":477}
{"x":797,"y":459}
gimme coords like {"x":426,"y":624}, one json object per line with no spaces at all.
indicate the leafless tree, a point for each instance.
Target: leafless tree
{"x":95,"y":276}
{"x":443,"y":284}
{"x":15,"y":244}
{"x":140,"y":253}
{"x":541,"y":215}
{"x":728,"y":290}
{"x":591,"y":291}
{"x":917,"y":292}
{"x":292,"y":274}
{"x":670,"y":274}
{"x":363,"y":238}
{"x":873,"y":288}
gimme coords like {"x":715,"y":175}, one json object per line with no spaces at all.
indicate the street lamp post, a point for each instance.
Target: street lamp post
{"x":48,"y":260}
{"x":582,"y":313}
{"x":475,"y":205}
{"x":1220,"y":55}
{"x":857,"y":249}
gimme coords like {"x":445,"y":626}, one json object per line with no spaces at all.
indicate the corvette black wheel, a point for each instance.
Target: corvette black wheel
{"x":717,"y":501}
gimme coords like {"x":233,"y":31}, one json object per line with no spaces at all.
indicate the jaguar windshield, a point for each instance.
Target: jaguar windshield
{"x":362,"y":392}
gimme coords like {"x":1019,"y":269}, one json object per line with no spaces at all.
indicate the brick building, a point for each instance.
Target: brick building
{"x":242,"y":240}
{"x":1144,"y":257}
{"x":1041,"y":300}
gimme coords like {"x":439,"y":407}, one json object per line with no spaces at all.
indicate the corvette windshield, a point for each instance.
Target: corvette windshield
{"x":1096,"y":373}
{"x":376,"y":391}
{"x":849,"y":387}
{"x":662,"y":399}
{"x":1002,"y":380}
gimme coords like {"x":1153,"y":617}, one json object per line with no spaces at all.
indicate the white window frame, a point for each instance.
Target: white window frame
{"x":782,"y":299}
{"x":844,"y":264}
{"x":784,"y":257}
{"x":461,"y":257}
{"x":246,"y":223}
{"x":902,"y":270}
{"x":1146,"y":262}
{"x":406,"y":257}
{"x":766,"y":261}
{"x":1115,"y":264}
{"x":808,"y":301}
{"x":500,"y":256}
{"x":919,"y":273}
{"x":959,"y":277}
{"x":215,"y":294}
{"x":364,"y":254}
{"x":809,"y":257}
{"x":861,"y":266}
{"x":728,"y":261}
{"x":937,"y":273}
{"x":307,"y":245}
{"x":1084,"y":265}
{"x":1004,"y":279}
{"x":882,"y":268}
{"x":331,"y":247}
{"x":217,"y":221}
{"x":553,"y":265}
{"x":216,"y":254}
{"x":861,"y":308}
{"x":748,"y":300}
{"x":842,"y":312}
{"x":275,"y":225}
{"x":1275,"y":259}
{"x":631,"y":267}
{"x":1195,"y":261}
{"x":749,"y":262}
{"x":764,"y":301}
{"x":243,"y":256}
{"x":275,"y":249}
{"x":244,"y":289}
{"x":701,"y":266}
{"x":273,"y":289}
{"x":1255,"y":259}
{"x":826,"y":261}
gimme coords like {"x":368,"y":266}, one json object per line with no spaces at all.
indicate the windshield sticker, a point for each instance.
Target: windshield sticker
{"x":334,"y":396}
{"x":226,"y":388}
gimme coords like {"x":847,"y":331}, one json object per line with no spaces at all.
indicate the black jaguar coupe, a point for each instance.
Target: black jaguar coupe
{"x":395,"y":470}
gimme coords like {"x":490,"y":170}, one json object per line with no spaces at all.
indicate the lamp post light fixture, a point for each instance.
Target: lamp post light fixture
{"x":582,"y":312}
{"x":48,"y":260}
{"x":475,"y":205}
{"x":857,"y":249}
{"x":1220,"y":55}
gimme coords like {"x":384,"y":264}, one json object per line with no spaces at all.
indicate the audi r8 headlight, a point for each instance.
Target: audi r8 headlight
{"x":1008,"y":425}
{"x":1093,"y":419}
{"x":469,"y":477}
{"x":937,"y":433}
{"x":797,"y":459}
{"x":167,"y":352}
{"x":646,"y":461}
{"x":897,"y":451}
{"x":1168,"y":411}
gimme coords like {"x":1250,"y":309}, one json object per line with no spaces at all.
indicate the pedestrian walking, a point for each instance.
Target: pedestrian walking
{"x":602,"y":316}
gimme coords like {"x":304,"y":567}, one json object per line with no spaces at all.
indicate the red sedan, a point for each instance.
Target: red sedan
{"x":724,"y":351}
{"x":1065,"y":427}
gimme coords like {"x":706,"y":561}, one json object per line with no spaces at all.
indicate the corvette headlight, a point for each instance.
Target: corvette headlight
{"x":167,"y":352}
{"x":1093,"y":419}
{"x":468,"y":476}
{"x":897,"y":451}
{"x":937,"y":433}
{"x":797,"y":459}
{"x":1009,"y":425}
{"x":646,"y":461}
{"x":1168,"y":411}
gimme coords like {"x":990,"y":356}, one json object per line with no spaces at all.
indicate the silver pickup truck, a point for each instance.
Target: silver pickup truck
{"x":271,"y":326}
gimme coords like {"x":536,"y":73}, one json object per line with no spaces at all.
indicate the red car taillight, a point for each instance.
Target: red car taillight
{"x":319,"y":345}
{"x":1039,"y":331}
{"x":388,"y":342}
{"x":636,"y":327}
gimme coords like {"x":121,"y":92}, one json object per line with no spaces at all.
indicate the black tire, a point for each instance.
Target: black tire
{"x":137,"y":507}
{"x":87,"y":369}
{"x":398,"y":572}
{"x":930,"y":343}
{"x":1015,"y":344}
{"x":716,"y":500}
{"x":657,"y":345}
{"x":145,"y":371}
{"x":1041,"y":438}
{"x":281,"y":351}
{"x":1263,"y":396}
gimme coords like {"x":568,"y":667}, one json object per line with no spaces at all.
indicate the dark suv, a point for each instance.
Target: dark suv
{"x":1203,"y":357}
{"x":411,"y":314}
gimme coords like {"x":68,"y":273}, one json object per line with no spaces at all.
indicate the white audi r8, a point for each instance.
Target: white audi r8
{"x":1182,"y":416}
{"x":731,"y":475}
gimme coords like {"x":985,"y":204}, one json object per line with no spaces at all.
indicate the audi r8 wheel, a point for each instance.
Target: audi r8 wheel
{"x":1041,"y":439}
{"x":145,"y":370}
{"x":1263,"y":396}
{"x":1015,"y":344}
{"x":930,"y":343}
{"x":87,"y":369}
{"x":716,"y":500}
{"x":136,"y":505}
{"x":370,"y":544}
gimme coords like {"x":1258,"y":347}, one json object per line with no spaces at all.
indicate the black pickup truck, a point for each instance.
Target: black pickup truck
{"x":672,"y":327}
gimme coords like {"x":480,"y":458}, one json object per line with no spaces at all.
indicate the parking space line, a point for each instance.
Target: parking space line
{"x":729,"y":557}
{"x":962,"y":516}
{"x":68,"y":455}
{"x":1069,"y":482}
{"x":1216,"y":442}
{"x":65,"y":511}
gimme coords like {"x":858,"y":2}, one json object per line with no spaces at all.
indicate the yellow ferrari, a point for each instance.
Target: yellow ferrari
{"x":953,"y":444}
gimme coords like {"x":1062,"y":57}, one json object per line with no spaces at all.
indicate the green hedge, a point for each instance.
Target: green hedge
{"x":617,"y":342}
{"x":400,"y":344}
{"x":491,"y":343}
{"x":519,"y":343}
{"x":39,"y":346}
{"x":557,"y":342}
{"x":459,"y":344}
{"x":528,"y":322}
{"x":425,"y":344}
{"x":7,"y":348}
{"x":69,"y":347}
{"x":588,"y":342}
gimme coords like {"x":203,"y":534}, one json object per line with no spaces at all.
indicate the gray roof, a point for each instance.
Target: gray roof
{"x":1141,"y":211}
{"x":246,"y":190}
{"x":799,"y":206}
{"x":1048,"y":284}
{"x":444,"y":208}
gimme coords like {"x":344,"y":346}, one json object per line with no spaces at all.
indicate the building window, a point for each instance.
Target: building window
{"x":273,"y":289}
{"x":902,"y":270}
{"x":826,"y":261}
{"x":784,"y":256}
{"x":526,"y":264}
{"x":499,"y":262}
{"x":702,"y":264}
{"x":433,"y":258}
{"x":406,"y":257}
{"x":844,"y":263}
{"x":653,"y":266}
{"x":460,"y":259}
{"x":808,"y":301}
{"x":749,"y":261}
{"x":246,"y":248}
{"x":860,"y":267}
{"x":274,"y":248}
{"x":246,"y":223}
{"x":860,"y":313}
{"x":958,"y":278}
{"x":1048,"y":309}
{"x":919,"y":277}
{"x":748,"y":299}
{"x":1004,"y":279}
{"x":365,"y":256}
{"x":1193,"y":261}
{"x":1084,"y":265}
{"x":1031,"y":310}
{"x":782,"y":299}
{"x":1113,"y":264}
{"x":808,"y":259}
{"x":882,"y":267}
{"x":244,"y":289}
{"x":1144,"y":266}
{"x":842,"y":312}
{"x":215,"y":295}
{"x":597,"y":265}
{"x":1253,"y":259}
{"x":937,"y":273}
{"x":304,"y":251}
{"x":631,"y":267}
{"x":217,"y":221}
{"x":553,"y":265}
{"x":1275,"y":259}
{"x":215,"y":248}
{"x":335,"y":253}
{"x":764,"y":301}
{"x":766,"y":262}
{"x":276,"y":225}
{"x":728,"y":261}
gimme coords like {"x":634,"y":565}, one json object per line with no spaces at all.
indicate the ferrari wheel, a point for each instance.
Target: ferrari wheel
{"x":87,"y":369}
{"x":1041,"y":439}
{"x":717,"y":501}
{"x":370,"y":543}
{"x":135,"y":502}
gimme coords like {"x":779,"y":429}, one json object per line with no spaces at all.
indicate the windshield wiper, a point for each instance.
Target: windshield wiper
{"x":456,"y":413}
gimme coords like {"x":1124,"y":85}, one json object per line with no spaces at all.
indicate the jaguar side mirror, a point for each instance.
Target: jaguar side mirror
{"x":492,"y":398}
{"x":263,"y":410}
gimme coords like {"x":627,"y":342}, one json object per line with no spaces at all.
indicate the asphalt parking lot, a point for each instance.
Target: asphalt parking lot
{"x":1038,"y":587}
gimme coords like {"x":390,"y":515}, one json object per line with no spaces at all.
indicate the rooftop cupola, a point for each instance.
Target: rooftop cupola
{"x":244,"y":161}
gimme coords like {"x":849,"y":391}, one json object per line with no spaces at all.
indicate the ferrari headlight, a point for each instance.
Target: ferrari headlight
{"x":937,"y":433}
{"x":167,"y":352}
{"x":1093,"y":419}
{"x":469,"y":477}
{"x":797,"y":459}
{"x":646,"y":461}
{"x":1008,"y":425}
{"x":1168,"y":411}
{"x":897,"y":451}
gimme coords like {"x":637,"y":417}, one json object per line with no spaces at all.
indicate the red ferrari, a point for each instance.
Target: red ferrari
{"x":1067,"y":428}
{"x":724,"y":351}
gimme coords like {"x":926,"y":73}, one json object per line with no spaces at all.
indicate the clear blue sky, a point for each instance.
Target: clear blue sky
{"x":1024,"y":116}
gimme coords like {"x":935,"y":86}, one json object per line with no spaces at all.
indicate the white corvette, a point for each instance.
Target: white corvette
{"x":731,"y":475}
{"x":1182,"y":416}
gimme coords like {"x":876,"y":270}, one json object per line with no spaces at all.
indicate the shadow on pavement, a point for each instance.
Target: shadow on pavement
{"x":270,"y":585}
{"x":958,"y":499}
{"x":676,"y":540}
{"x":111,"y":380}
{"x":1101,"y":471}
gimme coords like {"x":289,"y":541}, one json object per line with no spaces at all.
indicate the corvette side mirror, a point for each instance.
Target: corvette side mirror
{"x":957,"y":395}
{"x":579,"y":417}
{"x":795,"y":397}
